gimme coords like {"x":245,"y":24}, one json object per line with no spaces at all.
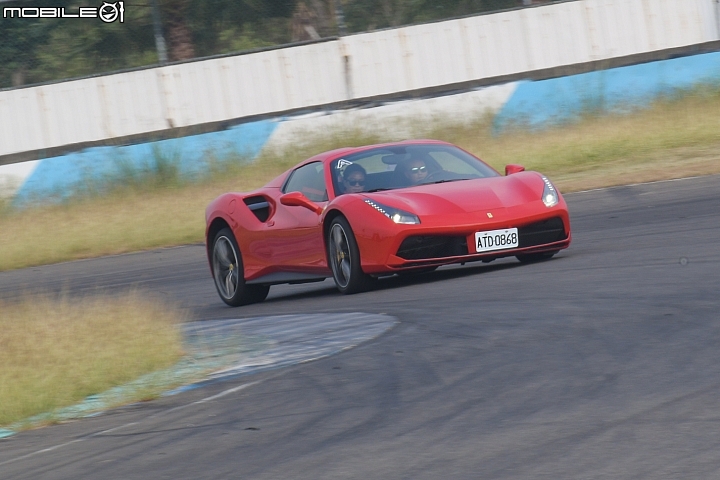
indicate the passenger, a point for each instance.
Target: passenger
{"x":353,"y":179}
{"x":416,"y":171}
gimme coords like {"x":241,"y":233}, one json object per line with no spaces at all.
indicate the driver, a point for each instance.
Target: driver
{"x":416,"y":171}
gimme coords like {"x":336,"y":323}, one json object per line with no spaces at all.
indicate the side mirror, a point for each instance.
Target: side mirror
{"x":297,"y":199}
{"x":513,"y":168}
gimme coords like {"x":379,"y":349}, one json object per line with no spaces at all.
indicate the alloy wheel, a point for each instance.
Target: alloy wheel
{"x":340,"y":255}
{"x":225,"y":267}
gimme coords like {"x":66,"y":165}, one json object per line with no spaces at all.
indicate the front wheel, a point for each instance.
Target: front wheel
{"x":344,"y":258}
{"x":228,"y":273}
{"x":536,"y":257}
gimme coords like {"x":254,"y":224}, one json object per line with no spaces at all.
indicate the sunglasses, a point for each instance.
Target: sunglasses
{"x":355,"y":183}
{"x":418,"y":169}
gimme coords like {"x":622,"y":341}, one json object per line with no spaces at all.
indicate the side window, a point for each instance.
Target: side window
{"x":308,"y":180}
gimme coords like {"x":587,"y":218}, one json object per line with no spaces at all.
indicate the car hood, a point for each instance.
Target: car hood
{"x":465,"y":196}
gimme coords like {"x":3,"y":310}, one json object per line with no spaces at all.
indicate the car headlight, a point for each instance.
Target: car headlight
{"x":394,"y":214}
{"x":549,"y":196}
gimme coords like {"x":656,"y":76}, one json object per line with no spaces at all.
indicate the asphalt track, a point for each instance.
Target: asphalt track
{"x":603,"y":362}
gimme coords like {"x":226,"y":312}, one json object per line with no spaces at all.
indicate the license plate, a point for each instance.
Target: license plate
{"x":496,"y":240}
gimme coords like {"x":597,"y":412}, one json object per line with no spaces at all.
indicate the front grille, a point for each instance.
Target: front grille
{"x":540,"y":233}
{"x":418,"y":247}
{"x":422,"y":247}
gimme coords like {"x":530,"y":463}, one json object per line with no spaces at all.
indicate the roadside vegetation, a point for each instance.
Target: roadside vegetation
{"x":36,"y":50}
{"x":674,"y":138}
{"x":55,"y":352}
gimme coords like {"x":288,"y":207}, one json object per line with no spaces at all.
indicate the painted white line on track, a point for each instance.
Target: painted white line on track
{"x":32,"y":454}
{"x":226,"y":392}
{"x":114,"y":429}
{"x":50,"y":449}
{"x":638,"y":184}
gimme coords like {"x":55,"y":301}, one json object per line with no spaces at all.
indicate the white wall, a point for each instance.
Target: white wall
{"x":379,"y":63}
{"x":401,"y":119}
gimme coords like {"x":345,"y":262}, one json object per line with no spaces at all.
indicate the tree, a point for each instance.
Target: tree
{"x":362,"y":15}
{"x":19,"y":39}
{"x":44,"y":49}
{"x":34,"y":50}
{"x":178,"y":34}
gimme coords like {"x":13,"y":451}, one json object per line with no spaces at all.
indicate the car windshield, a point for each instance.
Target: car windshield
{"x":389,"y":168}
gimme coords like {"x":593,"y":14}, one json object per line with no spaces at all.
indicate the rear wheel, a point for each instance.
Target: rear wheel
{"x":228,"y":273}
{"x":536,"y":257}
{"x":344,"y":258}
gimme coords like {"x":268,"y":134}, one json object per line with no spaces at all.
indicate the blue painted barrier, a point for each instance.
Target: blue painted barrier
{"x":623,"y":89}
{"x":60,"y":177}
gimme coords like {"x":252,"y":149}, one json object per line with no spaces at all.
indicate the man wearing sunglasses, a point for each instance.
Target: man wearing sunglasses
{"x":416,"y":171}
{"x":353,"y":179}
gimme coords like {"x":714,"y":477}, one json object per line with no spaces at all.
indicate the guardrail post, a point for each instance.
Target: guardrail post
{"x":159,"y":39}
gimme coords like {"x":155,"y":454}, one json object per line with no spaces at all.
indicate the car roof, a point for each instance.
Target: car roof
{"x":340,"y":152}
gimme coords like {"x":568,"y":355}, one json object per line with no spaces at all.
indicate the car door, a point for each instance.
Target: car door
{"x":297,"y":235}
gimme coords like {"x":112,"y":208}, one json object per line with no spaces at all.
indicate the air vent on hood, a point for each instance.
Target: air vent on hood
{"x":259,"y":206}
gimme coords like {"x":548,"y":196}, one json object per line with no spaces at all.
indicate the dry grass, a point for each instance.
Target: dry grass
{"x":57,"y":351}
{"x":102,"y":226}
{"x":674,"y":138}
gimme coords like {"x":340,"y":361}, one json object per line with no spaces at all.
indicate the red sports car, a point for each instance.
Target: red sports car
{"x":357,"y":214}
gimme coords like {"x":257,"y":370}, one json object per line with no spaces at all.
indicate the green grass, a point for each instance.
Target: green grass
{"x":674,"y":138}
{"x":55,"y":351}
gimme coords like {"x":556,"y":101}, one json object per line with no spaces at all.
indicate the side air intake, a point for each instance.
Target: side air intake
{"x":259,"y":206}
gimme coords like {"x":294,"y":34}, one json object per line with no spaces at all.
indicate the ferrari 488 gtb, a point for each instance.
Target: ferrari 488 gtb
{"x":356,"y":214}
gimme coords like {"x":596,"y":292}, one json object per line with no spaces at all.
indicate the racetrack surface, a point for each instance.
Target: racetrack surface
{"x":600,"y":363}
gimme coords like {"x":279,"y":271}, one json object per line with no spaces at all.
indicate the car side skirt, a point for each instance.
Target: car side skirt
{"x":277,"y":278}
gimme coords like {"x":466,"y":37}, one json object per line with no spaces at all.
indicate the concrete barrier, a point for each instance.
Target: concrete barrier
{"x":60,"y":177}
{"x":530,"y":103}
{"x":434,"y":58}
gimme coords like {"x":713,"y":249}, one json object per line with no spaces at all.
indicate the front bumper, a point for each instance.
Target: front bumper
{"x":425,"y":245}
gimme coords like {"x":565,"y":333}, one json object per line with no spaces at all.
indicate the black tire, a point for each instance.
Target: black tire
{"x":344,"y":258}
{"x":227,"y":272}
{"x":536,"y":257}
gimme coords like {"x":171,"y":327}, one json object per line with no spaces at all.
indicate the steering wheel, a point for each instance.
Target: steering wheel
{"x":434,"y":176}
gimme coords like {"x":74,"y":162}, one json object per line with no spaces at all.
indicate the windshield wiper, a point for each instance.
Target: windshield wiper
{"x":446,"y":181}
{"x":378,"y":190}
